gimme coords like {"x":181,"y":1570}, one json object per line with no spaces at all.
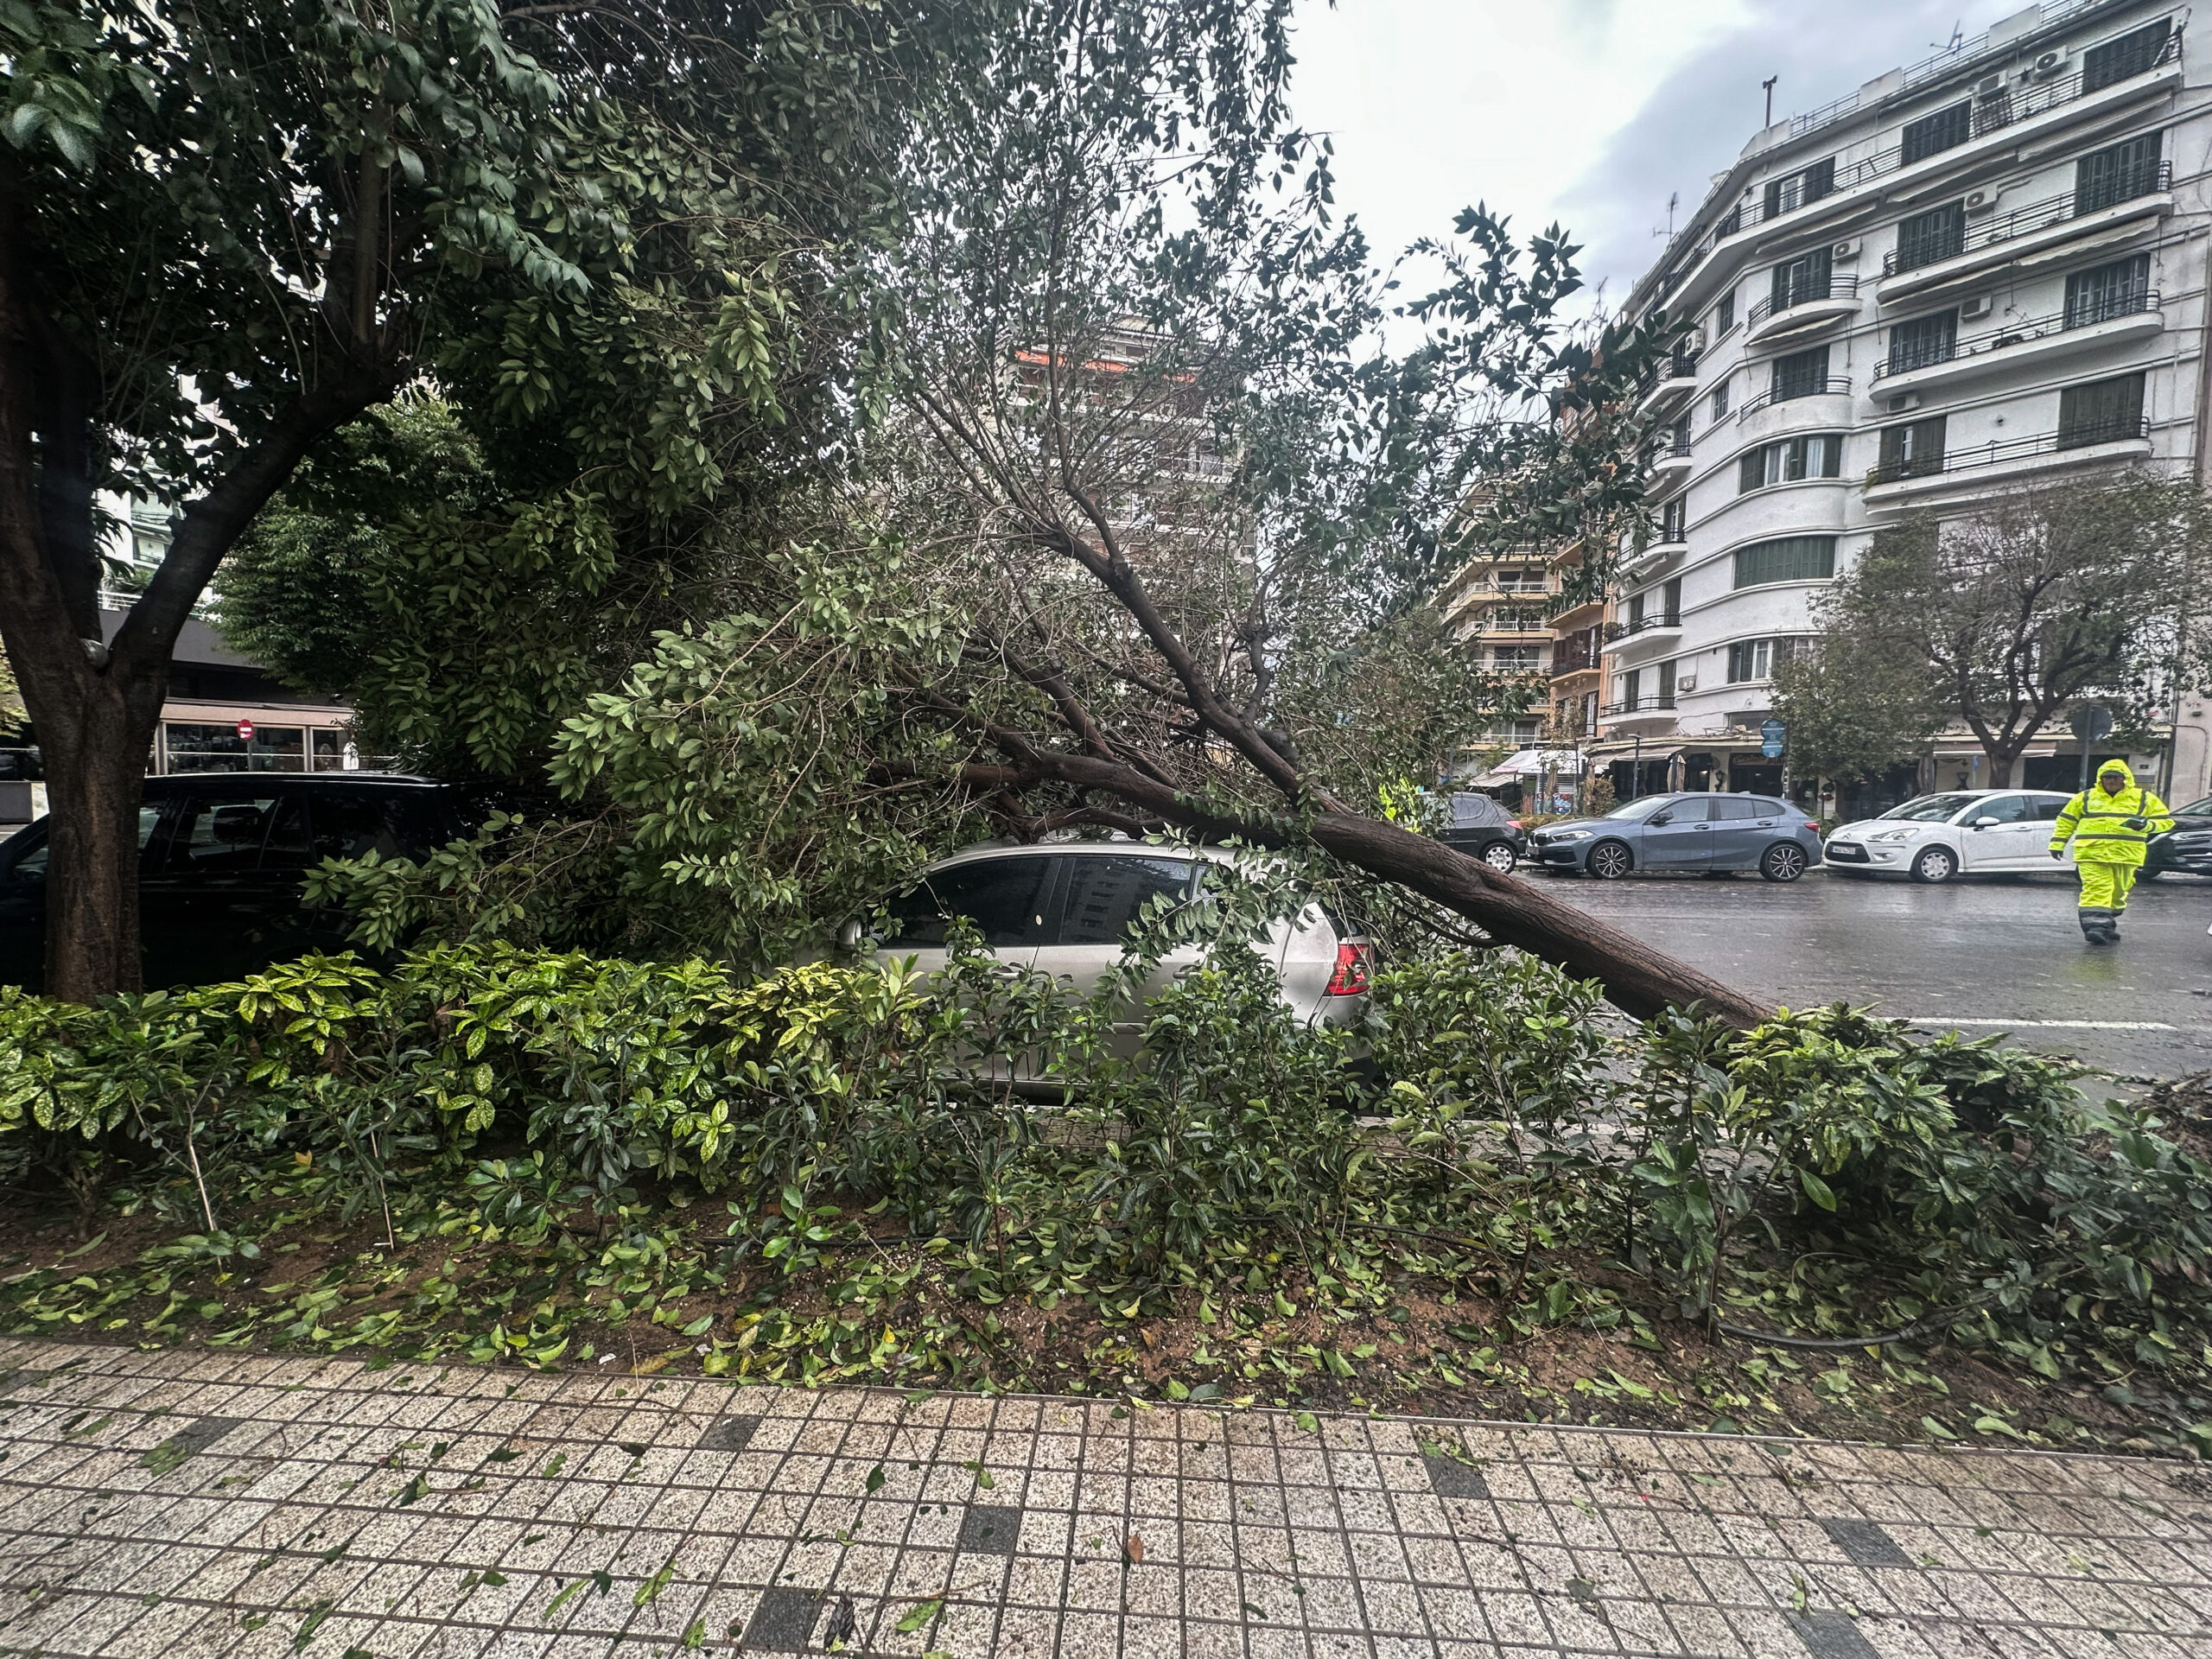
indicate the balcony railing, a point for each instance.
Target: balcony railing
{"x":1680,"y":365}
{"x":1574,"y":655}
{"x":2038,"y":216}
{"x":1636,"y":624}
{"x":1836,"y":288}
{"x":1993,"y":114}
{"x":2079,"y":436}
{"x":1650,"y":702}
{"x":1833,"y":386}
{"x":2017,"y":333}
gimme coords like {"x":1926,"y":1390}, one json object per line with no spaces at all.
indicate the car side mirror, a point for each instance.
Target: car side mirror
{"x":1659,"y":818}
{"x":849,"y":936}
{"x":1984,"y":822}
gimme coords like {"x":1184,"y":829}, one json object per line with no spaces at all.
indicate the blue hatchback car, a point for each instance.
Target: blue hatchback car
{"x":1696,"y":831}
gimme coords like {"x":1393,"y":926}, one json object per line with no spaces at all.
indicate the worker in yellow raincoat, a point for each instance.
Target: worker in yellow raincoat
{"x":2109,"y":824}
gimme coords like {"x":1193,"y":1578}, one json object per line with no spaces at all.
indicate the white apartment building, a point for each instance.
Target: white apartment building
{"x":1987,"y":269}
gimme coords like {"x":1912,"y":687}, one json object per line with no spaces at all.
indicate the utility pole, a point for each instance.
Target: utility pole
{"x":1768,"y":84}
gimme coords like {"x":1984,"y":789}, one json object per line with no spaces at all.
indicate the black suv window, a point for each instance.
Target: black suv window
{"x":30,"y":864}
{"x":220,"y":834}
{"x":1004,"y":897}
{"x":1107,"y":892}
{"x":391,"y":824}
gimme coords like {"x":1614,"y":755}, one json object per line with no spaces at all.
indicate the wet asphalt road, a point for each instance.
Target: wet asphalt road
{"x":1997,"y":954}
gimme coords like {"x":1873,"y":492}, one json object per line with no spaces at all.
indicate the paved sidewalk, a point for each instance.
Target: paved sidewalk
{"x":187,"y":1503}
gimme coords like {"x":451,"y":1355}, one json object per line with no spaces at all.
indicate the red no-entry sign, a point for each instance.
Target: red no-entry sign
{"x":245,"y":731}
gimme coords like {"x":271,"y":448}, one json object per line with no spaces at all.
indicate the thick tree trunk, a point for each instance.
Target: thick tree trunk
{"x":94,"y":769}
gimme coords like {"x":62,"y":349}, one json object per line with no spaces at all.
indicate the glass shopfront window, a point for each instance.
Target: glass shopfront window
{"x":220,"y":748}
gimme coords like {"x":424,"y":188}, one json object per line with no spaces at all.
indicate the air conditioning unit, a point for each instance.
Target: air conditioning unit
{"x":1903,"y":401}
{"x":1990,"y":86}
{"x":1980,"y":201}
{"x":2048,"y":65}
{"x":1979,"y":306}
{"x":1686,"y":682}
{"x":1848,"y":249}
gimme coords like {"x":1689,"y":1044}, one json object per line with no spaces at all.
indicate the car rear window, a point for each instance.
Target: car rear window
{"x":1729,"y":808}
{"x":1106,"y":893}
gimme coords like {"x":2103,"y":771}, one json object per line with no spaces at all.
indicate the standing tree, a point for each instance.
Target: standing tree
{"x":1854,"y":716}
{"x":227,"y":230}
{"x":2004,"y":617}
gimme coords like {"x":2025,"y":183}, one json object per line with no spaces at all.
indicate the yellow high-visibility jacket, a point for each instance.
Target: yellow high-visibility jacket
{"x":2097,"y":825}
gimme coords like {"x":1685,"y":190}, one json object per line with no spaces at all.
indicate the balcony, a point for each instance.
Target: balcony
{"x":1834,"y":386}
{"x":2005,"y":105}
{"x":1998,"y":461}
{"x":2013,"y":237}
{"x":1805,"y":308}
{"x":1669,"y":464}
{"x":1656,"y":629}
{"x":1652,"y":702}
{"x":1671,"y":382}
{"x":1574,"y":655}
{"x":2129,"y":317}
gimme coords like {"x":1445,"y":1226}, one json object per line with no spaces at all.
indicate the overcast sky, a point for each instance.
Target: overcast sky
{"x":1586,"y":111}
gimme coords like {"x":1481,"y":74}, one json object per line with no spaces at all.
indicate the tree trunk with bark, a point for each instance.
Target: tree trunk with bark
{"x":94,"y":705}
{"x":1637,"y":979}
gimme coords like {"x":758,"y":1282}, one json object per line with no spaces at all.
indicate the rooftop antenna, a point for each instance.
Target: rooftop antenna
{"x":1768,"y":84}
{"x":1673,"y":197}
{"x":1958,"y":36}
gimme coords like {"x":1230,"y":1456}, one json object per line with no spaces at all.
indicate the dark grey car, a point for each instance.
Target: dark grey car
{"x":1483,"y":829}
{"x":1697,"y":831}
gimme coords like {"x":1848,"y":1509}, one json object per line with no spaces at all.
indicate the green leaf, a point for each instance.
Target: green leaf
{"x":1817,"y":1190}
{"x":920,"y":1616}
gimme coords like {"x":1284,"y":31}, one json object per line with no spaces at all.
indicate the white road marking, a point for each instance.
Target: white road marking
{"x":2066,"y":1025}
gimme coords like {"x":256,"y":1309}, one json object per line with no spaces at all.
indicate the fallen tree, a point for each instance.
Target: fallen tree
{"x":1144,"y":538}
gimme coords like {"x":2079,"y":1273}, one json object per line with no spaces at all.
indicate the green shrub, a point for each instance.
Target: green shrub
{"x":1825,"y":1169}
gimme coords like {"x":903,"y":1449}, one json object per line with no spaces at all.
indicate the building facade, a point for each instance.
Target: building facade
{"x":1984,"y":270}
{"x":1578,"y":657}
{"x":1498,"y":608}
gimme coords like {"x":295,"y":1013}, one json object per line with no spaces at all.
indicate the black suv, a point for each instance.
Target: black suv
{"x":2185,"y":849}
{"x":222,"y":857}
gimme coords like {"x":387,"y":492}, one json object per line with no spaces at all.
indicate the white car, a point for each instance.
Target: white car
{"x":1066,"y":910}
{"x":1959,"y":832}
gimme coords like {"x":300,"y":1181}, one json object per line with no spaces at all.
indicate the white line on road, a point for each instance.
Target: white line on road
{"x":2068,"y":1025}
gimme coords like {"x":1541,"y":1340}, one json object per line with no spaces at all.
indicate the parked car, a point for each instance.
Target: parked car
{"x":1482,"y":828}
{"x":1958,"y":832}
{"x":1068,"y":910}
{"x":1694,"y":831}
{"x":222,"y":858}
{"x":2185,"y":849}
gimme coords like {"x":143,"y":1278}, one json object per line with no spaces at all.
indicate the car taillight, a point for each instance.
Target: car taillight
{"x":1810,"y":825}
{"x":1351,"y":976}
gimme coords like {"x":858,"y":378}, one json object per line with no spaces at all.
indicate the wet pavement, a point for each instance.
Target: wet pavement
{"x":187,"y":1504}
{"x":1997,"y":954}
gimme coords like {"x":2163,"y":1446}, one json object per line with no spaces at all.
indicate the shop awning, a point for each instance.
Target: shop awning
{"x":1532,"y":763}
